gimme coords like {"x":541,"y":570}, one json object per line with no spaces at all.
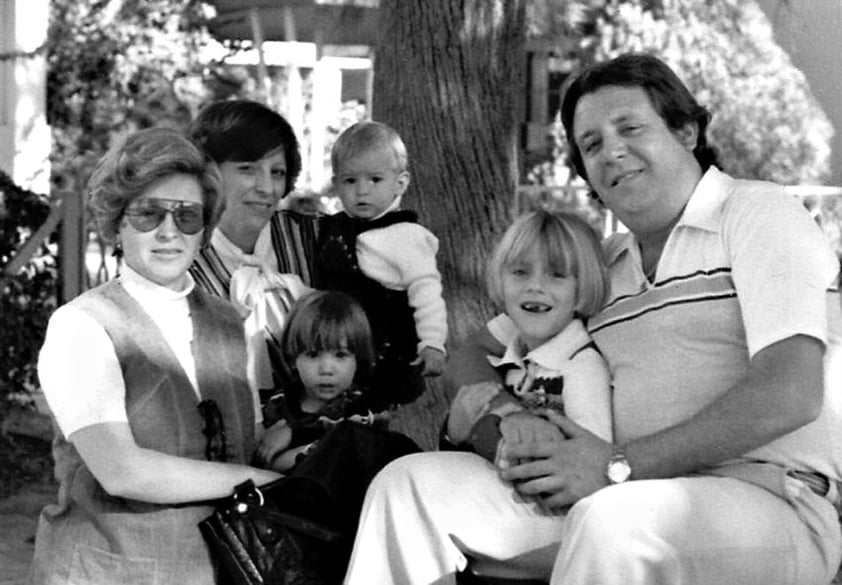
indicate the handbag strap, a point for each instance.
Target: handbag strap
{"x":248,"y":500}
{"x":302,"y":525}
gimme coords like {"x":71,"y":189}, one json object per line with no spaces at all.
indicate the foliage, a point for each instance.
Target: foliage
{"x":554,"y":184}
{"x":27,"y":298}
{"x":827,"y":211}
{"x":113,"y":66}
{"x":116,"y":66}
{"x":119,"y":65}
{"x":24,"y":460}
{"x":766,"y":122}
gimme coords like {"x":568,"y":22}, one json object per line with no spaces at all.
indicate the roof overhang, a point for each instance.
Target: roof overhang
{"x":296,"y":20}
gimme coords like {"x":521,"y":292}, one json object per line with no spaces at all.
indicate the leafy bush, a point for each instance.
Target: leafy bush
{"x":27,"y":298}
{"x":114,"y":67}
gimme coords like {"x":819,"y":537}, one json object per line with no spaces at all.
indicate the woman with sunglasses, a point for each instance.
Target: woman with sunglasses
{"x":146,"y":381}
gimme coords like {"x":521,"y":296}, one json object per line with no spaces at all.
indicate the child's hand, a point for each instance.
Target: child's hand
{"x":286,"y":460}
{"x":274,"y":440}
{"x":471,"y":403}
{"x":525,"y":427}
{"x":432,"y":359}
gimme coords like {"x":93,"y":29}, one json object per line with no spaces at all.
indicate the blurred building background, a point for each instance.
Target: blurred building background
{"x":332,"y":42}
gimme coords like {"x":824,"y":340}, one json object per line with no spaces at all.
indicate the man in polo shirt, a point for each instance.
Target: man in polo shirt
{"x":723,"y":339}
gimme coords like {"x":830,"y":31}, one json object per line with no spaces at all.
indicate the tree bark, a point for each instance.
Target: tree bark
{"x":449,"y":76}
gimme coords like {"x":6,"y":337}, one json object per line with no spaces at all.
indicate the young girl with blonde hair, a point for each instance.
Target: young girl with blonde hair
{"x":548,"y":275}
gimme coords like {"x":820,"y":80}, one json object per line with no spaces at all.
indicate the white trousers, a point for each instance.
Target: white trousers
{"x":426,"y":515}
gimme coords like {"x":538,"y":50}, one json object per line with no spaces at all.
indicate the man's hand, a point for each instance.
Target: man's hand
{"x":525,"y":427}
{"x":471,"y":403}
{"x":559,"y":473}
{"x":432,"y":360}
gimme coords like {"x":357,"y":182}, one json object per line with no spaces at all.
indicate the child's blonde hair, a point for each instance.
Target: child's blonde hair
{"x":569,"y":244}
{"x":365,"y":136}
{"x":326,"y":321}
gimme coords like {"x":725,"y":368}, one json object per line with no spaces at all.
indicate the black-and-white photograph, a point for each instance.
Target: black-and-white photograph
{"x":420,"y":292}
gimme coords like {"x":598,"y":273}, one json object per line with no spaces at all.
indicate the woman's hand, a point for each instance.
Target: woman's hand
{"x":559,"y":473}
{"x":471,"y":402}
{"x":274,"y":440}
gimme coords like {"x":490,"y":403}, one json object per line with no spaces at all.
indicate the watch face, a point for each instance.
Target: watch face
{"x":618,"y":470}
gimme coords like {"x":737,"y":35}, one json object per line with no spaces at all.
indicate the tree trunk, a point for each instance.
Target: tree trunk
{"x":449,"y":77}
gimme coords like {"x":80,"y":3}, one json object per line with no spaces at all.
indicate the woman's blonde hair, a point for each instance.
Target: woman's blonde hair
{"x":326,"y":320}
{"x":570,"y":246}
{"x":140,"y":161}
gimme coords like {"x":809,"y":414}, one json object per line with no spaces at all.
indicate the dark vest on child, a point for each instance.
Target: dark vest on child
{"x":389,"y":313}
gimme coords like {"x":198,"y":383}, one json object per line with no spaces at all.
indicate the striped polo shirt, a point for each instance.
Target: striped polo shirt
{"x":745,"y":266}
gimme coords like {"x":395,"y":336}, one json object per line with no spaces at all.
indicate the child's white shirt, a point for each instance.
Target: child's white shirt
{"x":586,"y":393}
{"x":403,"y":257}
{"x":78,"y":366}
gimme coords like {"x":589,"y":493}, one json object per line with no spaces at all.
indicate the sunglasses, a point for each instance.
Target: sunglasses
{"x":148,"y":214}
{"x":214,"y":431}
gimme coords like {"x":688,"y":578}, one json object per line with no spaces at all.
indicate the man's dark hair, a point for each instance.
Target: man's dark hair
{"x":670,"y":98}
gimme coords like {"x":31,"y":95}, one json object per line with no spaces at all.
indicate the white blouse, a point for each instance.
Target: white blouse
{"x":233,"y":257}
{"x":78,"y":366}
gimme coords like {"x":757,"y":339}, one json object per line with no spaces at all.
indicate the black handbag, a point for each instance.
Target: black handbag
{"x":255,"y":543}
{"x":300,"y":529}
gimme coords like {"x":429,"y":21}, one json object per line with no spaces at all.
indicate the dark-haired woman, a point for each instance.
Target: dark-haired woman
{"x":259,"y":257}
{"x":259,"y":160}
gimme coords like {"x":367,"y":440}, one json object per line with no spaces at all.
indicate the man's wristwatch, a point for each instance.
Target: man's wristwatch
{"x":618,"y":470}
